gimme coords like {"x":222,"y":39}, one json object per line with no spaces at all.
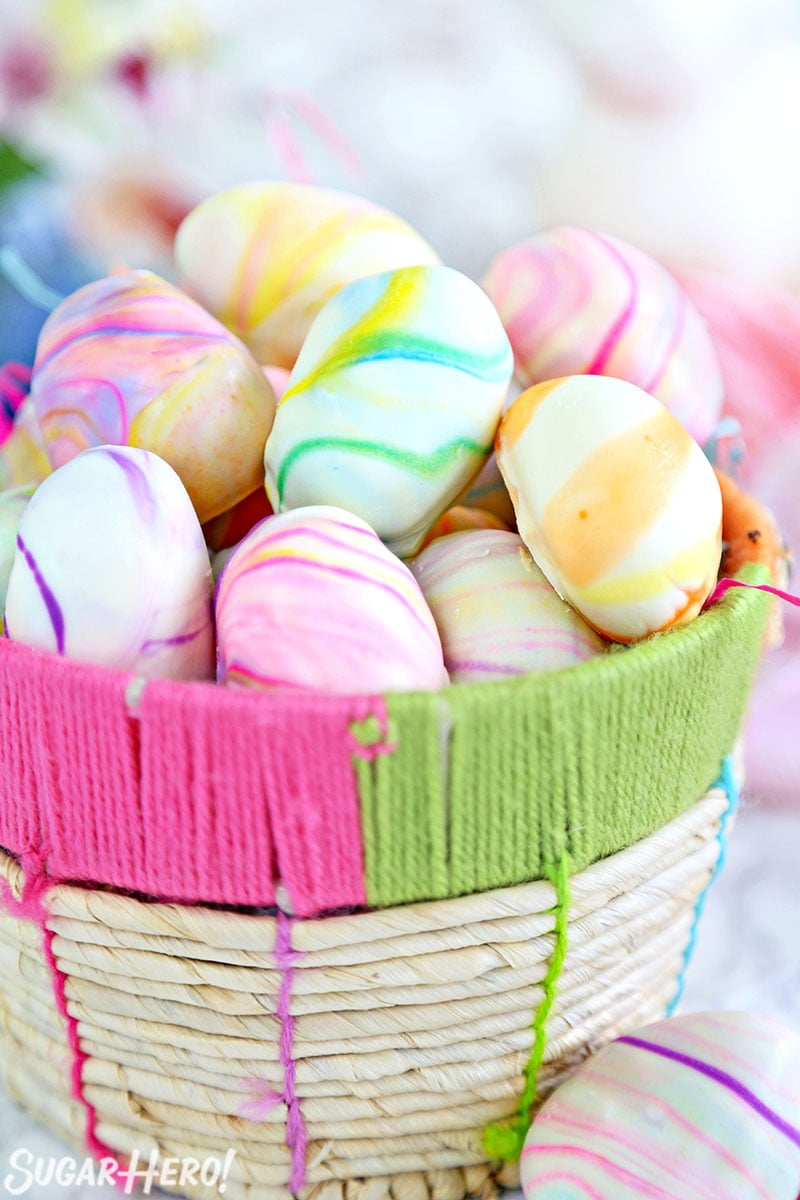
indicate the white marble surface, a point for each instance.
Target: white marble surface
{"x":747,"y":957}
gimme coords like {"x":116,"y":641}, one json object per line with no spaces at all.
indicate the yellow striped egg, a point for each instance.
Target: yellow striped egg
{"x":265,"y":257}
{"x":616,"y":502}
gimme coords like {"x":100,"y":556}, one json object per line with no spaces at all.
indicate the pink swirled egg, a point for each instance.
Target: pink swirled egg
{"x":130,"y":360}
{"x":699,"y":1107}
{"x":313,"y":599}
{"x":266,"y":257}
{"x":111,"y":568}
{"x":617,"y":504}
{"x":578,"y":302}
{"x":496,"y":613}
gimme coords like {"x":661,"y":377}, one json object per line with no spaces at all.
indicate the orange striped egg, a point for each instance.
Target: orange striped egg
{"x":265,"y":257}
{"x":616,"y":502}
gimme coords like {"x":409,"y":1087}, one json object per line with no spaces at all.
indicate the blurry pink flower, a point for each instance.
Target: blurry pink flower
{"x":27,"y":72}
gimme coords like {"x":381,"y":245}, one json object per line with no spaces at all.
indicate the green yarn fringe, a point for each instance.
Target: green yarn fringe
{"x":505,"y":1140}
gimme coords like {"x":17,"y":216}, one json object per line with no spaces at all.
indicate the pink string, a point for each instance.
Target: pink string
{"x":31,"y":907}
{"x":282,"y":102}
{"x":296,"y":1133}
{"x":725,"y":585}
{"x":260,"y":1101}
{"x":374,"y":707}
{"x":287,"y":147}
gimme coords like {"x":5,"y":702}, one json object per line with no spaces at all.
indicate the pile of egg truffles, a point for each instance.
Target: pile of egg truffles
{"x":311,"y":465}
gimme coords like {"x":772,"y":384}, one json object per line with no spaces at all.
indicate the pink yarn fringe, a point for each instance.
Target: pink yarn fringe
{"x":296,"y":1133}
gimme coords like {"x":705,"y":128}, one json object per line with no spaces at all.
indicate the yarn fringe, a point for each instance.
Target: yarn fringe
{"x":505,"y":1140}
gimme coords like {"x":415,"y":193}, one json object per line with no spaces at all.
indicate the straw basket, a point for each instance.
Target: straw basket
{"x":342,"y":936}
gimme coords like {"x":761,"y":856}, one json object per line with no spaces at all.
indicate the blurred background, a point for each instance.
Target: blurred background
{"x":672,"y":125}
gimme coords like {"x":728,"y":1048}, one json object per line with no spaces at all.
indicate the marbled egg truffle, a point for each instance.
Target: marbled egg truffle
{"x":574,"y":301}
{"x":111,"y":568}
{"x":496,"y":613}
{"x":265,"y":257}
{"x":616,"y":502}
{"x":313,"y":599}
{"x":701,"y":1107}
{"x":393,"y":404}
{"x":130,"y":360}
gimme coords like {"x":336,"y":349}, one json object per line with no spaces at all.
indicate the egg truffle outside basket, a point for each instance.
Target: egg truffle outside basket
{"x":345,"y":936}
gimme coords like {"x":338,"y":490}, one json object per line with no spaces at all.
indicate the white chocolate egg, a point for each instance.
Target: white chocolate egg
{"x":393,"y":403}
{"x":616,"y":502}
{"x":265,"y":257}
{"x":496,"y":613}
{"x":313,"y":599}
{"x":111,"y":568}
{"x":129,"y":360}
{"x":576,"y":301}
{"x":701,"y":1107}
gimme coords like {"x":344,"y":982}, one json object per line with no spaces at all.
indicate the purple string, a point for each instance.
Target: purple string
{"x":296,"y":1133}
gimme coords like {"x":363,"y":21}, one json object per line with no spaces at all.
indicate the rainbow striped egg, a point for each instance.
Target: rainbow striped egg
{"x":702,"y":1107}
{"x":393,"y":403}
{"x":265,"y":257}
{"x":496,"y":613}
{"x":578,"y":302}
{"x":616,"y":502}
{"x":313,"y":599}
{"x":130,"y":360}
{"x":111,"y":568}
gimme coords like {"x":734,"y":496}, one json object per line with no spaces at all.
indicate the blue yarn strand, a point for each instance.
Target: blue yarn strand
{"x":25,"y":280}
{"x":727,"y":782}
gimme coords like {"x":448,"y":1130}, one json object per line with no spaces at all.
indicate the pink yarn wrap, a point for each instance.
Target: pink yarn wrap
{"x":186,"y":792}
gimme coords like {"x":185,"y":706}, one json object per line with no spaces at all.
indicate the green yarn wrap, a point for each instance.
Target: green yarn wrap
{"x":486,"y":784}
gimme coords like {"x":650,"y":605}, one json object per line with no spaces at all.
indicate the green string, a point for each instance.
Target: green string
{"x":505,"y":1140}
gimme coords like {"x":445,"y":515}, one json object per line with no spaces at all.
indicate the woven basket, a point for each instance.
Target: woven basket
{"x":341,"y":936}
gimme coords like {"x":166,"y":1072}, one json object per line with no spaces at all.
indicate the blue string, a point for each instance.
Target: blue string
{"x":25,"y":280}
{"x":727,"y":782}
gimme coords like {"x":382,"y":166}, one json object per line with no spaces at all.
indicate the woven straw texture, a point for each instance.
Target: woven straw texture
{"x":409,"y":1027}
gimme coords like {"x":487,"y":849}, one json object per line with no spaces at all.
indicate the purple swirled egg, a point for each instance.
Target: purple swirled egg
{"x":698,"y":1107}
{"x":111,"y":567}
{"x":577,"y":302}
{"x":131,"y":360}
